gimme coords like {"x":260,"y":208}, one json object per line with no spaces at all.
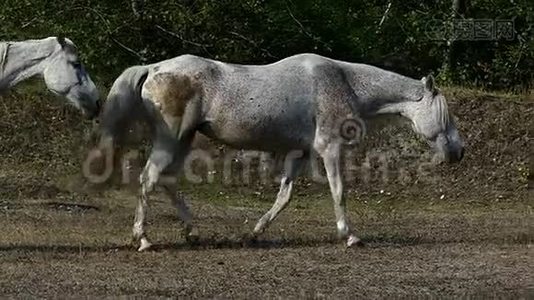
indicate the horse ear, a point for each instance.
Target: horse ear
{"x":429,"y":83}
{"x":61,"y":41}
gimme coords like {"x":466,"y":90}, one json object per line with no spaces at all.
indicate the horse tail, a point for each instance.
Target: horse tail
{"x":123,"y":106}
{"x":124,"y":103}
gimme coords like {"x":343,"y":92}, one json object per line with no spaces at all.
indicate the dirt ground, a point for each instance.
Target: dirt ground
{"x":463,"y":230}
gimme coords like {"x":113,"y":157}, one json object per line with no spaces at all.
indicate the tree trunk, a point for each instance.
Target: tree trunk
{"x":459,"y":8}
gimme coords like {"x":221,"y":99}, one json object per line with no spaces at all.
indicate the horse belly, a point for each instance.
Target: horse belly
{"x":264,"y":133}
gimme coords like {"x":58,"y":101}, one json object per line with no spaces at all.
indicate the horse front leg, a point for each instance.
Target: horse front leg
{"x":331,"y":159}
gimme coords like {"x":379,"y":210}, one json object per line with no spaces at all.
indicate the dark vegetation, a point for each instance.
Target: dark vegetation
{"x":410,"y":37}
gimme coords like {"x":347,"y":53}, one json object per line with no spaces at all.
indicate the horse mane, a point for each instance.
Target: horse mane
{"x":124,"y":104}
{"x":4,"y":49}
{"x":441,"y":109}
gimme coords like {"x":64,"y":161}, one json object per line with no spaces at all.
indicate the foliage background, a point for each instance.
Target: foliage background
{"x":115,"y":34}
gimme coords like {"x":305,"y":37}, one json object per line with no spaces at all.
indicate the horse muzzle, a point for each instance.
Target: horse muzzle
{"x":457,"y":156}
{"x":93,"y":112}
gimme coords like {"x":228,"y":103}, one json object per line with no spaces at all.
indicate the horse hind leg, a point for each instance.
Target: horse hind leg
{"x":190,"y":232}
{"x":149,"y":178}
{"x":170,"y":185}
{"x":158,"y":161}
{"x":168,"y":152}
{"x":293,"y":163}
{"x":139,"y":235}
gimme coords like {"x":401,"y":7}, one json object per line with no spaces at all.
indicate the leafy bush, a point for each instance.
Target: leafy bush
{"x":115,"y":34}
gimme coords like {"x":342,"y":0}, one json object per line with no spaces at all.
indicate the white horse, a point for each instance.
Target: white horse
{"x":298,"y":103}
{"x":56,"y":60}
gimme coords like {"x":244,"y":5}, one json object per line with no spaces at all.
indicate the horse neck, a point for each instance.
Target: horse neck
{"x":24,"y":60}
{"x":404,"y":108}
{"x":383,"y":92}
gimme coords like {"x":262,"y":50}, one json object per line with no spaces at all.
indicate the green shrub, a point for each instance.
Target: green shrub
{"x":115,"y":34}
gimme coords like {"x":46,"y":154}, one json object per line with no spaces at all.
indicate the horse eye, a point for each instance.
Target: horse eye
{"x":76,"y":64}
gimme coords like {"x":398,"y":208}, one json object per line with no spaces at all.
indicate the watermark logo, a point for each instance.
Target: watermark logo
{"x":470,"y":30}
{"x":352,"y":130}
{"x":98,"y":166}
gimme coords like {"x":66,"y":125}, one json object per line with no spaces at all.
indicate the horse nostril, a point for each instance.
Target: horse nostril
{"x":461,"y":154}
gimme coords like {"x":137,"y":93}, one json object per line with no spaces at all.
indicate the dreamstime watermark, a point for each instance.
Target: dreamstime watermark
{"x":470,"y":30}
{"x":247,"y":167}
{"x":352,"y":130}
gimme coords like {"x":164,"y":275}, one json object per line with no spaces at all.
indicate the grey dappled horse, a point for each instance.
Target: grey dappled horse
{"x":298,"y":103}
{"x":56,"y":60}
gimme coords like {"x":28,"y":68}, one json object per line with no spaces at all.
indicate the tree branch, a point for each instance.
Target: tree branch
{"x":176,"y":35}
{"x":141,"y":57}
{"x":384,"y":17}
{"x":253,"y":43}
{"x":303,"y":29}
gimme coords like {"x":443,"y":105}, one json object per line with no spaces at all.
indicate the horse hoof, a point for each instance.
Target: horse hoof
{"x":354,"y":241}
{"x":256,"y":234}
{"x":144,"y":245}
{"x":192,"y":236}
{"x":258,"y":230}
{"x":252,"y":237}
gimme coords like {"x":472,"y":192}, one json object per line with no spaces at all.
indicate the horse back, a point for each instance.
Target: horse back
{"x":236,"y":104}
